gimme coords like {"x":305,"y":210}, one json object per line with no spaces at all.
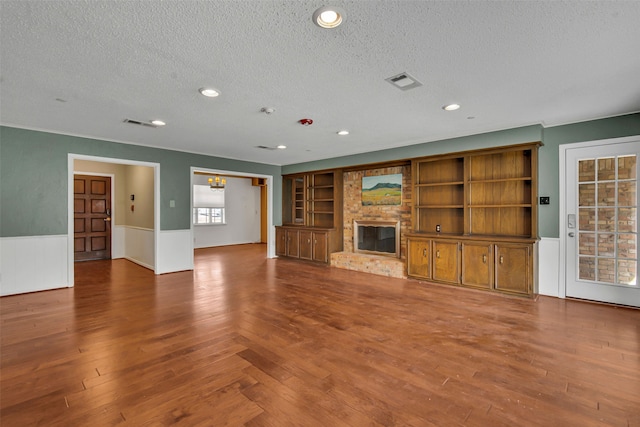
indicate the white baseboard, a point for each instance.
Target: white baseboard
{"x":19,"y":257}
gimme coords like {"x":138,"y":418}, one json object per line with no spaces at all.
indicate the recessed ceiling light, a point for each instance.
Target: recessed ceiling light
{"x":158,"y":122}
{"x":282,"y":147}
{"x":328,"y":17}
{"x":343,"y":132}
{"x":208,"y":92}
{"x":451,"y":107}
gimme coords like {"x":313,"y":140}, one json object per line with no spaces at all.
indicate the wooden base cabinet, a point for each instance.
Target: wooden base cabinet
{"x":312,"y":244}
{"x":505,"y":267}
{"x":477,"y":264}
{"x":514,"y":267}
{"x":418,"y":259}
{"x":446,"y":261}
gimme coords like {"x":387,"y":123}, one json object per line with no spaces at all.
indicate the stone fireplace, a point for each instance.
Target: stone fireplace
{"x":390,"y":261}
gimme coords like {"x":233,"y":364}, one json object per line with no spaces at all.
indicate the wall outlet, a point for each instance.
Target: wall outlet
{"x":438,"y":228}
{"x":545,"y":200}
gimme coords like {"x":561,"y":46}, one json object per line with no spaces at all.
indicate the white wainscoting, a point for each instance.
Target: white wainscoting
{"x":548,"y":266}
{"x":117,"y":241}
{"x":175,"y":251}
{"x":139,"y":246}
{"x":33,"y":263}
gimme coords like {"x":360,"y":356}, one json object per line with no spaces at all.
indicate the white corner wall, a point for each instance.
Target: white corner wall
{"x":242,"y":213}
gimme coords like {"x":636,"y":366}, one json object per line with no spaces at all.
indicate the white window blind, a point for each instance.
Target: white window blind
{"x":205,"y":197}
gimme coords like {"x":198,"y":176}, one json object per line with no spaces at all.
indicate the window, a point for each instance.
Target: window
{"x":208,"y":205}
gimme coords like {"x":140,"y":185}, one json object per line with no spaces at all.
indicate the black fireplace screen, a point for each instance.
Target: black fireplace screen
{"x":377,"y":239}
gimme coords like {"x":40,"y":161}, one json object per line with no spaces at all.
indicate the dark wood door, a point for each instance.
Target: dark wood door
{"x":92,"y":217}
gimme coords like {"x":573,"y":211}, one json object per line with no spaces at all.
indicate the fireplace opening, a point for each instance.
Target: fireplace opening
{"x":377,"y":237}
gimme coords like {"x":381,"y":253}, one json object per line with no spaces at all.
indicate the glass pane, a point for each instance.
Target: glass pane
{"x":607,"y":194}
{"x":626,"y":193}
{"x":627,"y":220}
{"x":606,"y":245}
{"x":627,"y":246}
{"x":606,"y":270}
{"x":627,"y":167}
{"x":587,"y":244}
{"x":606,"y":169}
{"x":586,"y":170}
{"x":587,"y":219}
{"x":607,"y":219}
{"x":587,"y":268}
{"x":587,"y":195}
{"x":627,"y":272}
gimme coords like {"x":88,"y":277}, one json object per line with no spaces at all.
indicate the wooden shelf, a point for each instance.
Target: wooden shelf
{"x":484,"y":204}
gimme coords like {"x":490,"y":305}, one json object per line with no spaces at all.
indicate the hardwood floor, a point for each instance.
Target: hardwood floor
{"x":244,"y":340}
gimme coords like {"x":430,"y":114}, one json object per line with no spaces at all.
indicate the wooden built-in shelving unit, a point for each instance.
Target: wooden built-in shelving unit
{"x":474,"y":219}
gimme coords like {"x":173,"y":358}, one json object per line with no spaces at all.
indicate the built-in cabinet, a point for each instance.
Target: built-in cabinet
{"x":311,"y":216}
{"x":474,"y":219}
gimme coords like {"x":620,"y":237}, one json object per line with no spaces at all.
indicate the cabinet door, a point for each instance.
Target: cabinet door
{"x":446,"y":261}
{"x":281,"y":241}
{"x":418,"y":264}
{"x":477,"y":264}
{"x":320,"y":244}
{"x":306,"y":244}
{"x":293,"y":243}
{"x":513,"y":268}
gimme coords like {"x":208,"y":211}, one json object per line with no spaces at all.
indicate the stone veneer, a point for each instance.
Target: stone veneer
{"x":353,"y":210}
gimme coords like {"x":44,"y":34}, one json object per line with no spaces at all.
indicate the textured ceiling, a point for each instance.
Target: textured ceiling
{"x":82,"y":67}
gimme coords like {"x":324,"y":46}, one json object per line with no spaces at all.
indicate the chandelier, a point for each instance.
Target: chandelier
{"x":217,"y":183}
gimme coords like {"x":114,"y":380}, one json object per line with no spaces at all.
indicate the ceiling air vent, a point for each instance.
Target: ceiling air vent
{"x":264,"y":147}
{"x":138,"y":122}
{"x":403,"y":81}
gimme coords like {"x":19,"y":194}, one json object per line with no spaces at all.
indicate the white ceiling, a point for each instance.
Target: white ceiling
{"x":508,"y":63}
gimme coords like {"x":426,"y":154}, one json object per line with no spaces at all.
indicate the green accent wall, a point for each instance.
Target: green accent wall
{"x":548,"y":161}
{"x":548,"y":168}
{"x":34,"y":176}
{"x":33,"y":170}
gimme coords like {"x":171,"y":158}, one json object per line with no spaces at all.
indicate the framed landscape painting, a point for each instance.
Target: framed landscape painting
{"x":382,"y":190}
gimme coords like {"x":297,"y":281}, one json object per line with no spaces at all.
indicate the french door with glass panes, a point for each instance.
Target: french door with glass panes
{"x":602,"y":223}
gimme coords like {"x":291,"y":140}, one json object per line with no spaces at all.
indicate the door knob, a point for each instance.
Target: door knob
{"x":572,"y":234}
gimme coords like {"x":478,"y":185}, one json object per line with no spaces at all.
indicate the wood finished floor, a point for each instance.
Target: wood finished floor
{"x":245,"y":340}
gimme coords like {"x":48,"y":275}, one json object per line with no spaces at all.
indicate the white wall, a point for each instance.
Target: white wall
{"x":242,"y":212}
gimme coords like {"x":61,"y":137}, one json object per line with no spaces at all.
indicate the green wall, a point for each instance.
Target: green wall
{"x":33,"y":170}
{"x":548,"y":168}
{"x":33,"y":179}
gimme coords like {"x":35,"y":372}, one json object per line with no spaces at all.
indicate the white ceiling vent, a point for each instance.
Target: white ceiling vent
{"x":404,"y":81}
{"x":138,"y":122}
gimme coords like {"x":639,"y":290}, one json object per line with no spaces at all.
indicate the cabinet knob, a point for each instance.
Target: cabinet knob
{"x":501,"y":259}
{"x":484,"y":259}
{"x":437,"y":254}
{"x":424,"y":252}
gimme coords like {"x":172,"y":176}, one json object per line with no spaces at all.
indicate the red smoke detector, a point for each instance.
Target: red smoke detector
{"x":305,"y":122}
